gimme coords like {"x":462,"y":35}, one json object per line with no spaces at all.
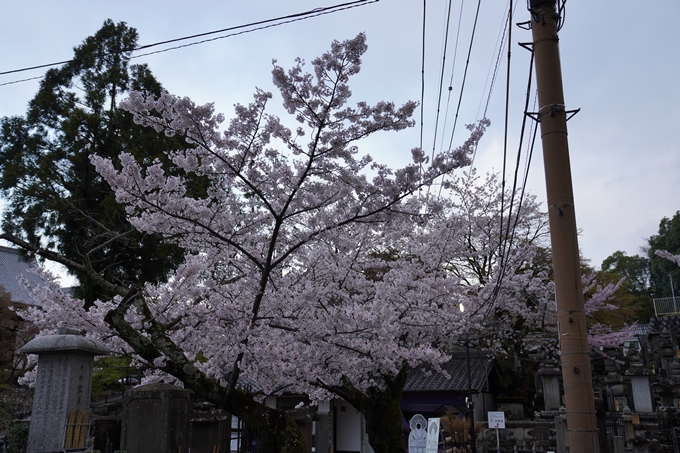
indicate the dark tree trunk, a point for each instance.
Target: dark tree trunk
{"x":382,"y":410}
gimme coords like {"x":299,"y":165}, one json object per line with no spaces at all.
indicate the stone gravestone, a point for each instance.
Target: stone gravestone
{"x":417,"y":438}
{"x":550,"y":376}
{"x":62,"y":386}
{"x":156,"y":419}
{"x":323,"y":428}
{"x":641,"y":396}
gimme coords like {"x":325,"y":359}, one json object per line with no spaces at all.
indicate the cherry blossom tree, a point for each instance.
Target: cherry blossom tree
{"x":309,"y":267}
{"x":504,"y":259}
{"x":307,"y":264}
{"x":668,"y":256}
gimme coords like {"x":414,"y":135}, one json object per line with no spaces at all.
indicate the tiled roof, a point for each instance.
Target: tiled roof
{"x":426,"y":380}
{"x":12,"y":265}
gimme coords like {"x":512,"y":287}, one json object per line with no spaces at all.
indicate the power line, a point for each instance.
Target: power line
{"x":500,"y":45}
{"x":467,"y":63}
{"x":422,"y":79}
{"x":259,"y":25}
{"x":308,"y":15}
{"x":507,"y":239}
{"x":21,"y":80}
{"x":441,"y":77}
{"x":501,"y":243}
{"x":453,"y":68}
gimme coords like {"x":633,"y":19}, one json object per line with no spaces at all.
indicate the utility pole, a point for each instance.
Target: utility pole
{"x":573,"y":337}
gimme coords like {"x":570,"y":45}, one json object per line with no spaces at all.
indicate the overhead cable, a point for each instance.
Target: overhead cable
{"x":453,"y":69}
{"x":495,"y":66}
{"x":259,"y":25}
{"x":500,"y":45}
{"x":422,"y":80}
{"x":501,"y":243}
{"x":467,"y":64}
{"x":441,"y":77}
{"x":508,"y":238}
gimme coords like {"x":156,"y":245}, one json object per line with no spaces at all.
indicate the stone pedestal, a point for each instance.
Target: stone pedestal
{"x":156,"y":419}
{"x":63,"y":385}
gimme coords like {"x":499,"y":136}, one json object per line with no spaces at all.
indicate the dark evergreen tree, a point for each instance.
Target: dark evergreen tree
{"x":55,"y":197}
{"x":635,"y":269}
{"x":634,"y":296}
{"x":661,"y":270}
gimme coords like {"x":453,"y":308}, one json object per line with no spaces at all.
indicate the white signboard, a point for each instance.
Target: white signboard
{"x":497,"y":420}
{"x":432,"y":445}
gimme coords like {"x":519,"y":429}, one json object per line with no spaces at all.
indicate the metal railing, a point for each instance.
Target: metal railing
{"x":667,"y":306}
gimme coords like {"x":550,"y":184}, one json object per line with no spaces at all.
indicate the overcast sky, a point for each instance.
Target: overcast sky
{"x":620,"y":65}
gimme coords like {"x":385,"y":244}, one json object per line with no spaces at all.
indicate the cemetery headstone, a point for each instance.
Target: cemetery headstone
{"x":323,"y":428}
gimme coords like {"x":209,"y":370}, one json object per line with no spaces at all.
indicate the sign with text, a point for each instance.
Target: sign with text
{"x":497,"y":419}
{"x":432,"y":445}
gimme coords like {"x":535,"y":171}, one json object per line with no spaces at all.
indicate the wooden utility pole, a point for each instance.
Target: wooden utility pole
{"x":573,"y":337}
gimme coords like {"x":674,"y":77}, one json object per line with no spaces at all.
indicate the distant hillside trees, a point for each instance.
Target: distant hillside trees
{"x":651,"y":276}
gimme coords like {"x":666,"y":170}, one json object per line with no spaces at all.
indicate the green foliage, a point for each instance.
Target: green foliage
{"x":516,"y":376}
{"x":293,"y":440}
{"x":661,"y":270}
{"x":55,"y":197}
{"x":17,"y":438}
{"x":15,"y":404}
{"x":635,"y":269}
{"x":647,"y":277}
{"x":108,"y":373}
{"x":9,"y":323}
{"x":632,"y":299}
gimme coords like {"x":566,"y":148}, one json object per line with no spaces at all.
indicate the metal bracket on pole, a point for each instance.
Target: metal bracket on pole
{"x":552,"y":109}
{"x":572,"y":113}
{"x":524,"y":25}
{"x":536,"y":116}
{"x":527,"y":45}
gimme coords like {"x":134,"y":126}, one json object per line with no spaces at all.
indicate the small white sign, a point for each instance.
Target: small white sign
{"x":432,"y":445}
{"x":497,"y":420}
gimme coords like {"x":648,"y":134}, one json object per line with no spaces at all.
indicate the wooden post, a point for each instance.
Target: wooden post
{"x":573,"y":337}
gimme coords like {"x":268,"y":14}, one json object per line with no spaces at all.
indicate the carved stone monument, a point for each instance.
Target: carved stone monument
{"x":62,"y":387}
{"x":417,"y":438}
{"x":156,"y":419}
